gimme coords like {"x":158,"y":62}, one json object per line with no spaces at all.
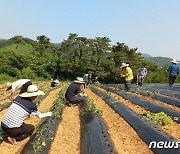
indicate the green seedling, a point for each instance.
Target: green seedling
{"x":158,"y":118}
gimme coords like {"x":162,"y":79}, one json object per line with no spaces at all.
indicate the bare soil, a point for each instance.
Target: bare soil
{"x":124,"y":137}
{"x":67,"y":138}
{"x":172,"y":129}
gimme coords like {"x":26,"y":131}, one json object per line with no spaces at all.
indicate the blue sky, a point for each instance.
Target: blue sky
{"x":153,"y":26}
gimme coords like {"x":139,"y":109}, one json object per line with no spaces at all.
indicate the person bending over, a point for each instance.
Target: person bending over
{"x":21,"y":108}
{"x":19,"y":84}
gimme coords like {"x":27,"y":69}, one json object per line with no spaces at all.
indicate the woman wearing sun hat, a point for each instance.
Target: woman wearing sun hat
{"x":173,"y":70}
{"x":22,"y":106}
{"x":127,"y":74}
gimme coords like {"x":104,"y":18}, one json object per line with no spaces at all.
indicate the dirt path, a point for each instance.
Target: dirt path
{"x":7,"y":148}
{"x":125,"y":139}
{"x":67,"y":138}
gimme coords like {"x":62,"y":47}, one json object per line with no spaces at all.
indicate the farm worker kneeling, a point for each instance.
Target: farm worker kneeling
{"x":74,"y":94}
{"x":127,"y":74}
{"x":22,"y":106}
{"x":19,"y":84}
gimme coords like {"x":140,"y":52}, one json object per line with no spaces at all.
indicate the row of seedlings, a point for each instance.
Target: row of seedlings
{"x":94,"y":135}
{"x":3,"y":135}
{"x":151,"y":106}
{"x":148,"y":132}
{"x":41,"y":141}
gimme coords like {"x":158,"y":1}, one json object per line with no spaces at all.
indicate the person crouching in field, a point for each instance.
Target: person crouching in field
{"x":19,"y":84}
{"x":74,"y":94}
{"x":127,"y":74}
{"x":22,"y":106}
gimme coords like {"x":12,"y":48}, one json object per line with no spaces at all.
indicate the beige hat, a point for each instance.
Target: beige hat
{"x":32,"y":91}
{"x":174,"y":61}
{"x":79,"y":80}
{"x":124,"y":65}
{"x":9,"y":86}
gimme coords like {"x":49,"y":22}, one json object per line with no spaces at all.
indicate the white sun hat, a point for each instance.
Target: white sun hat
{"x":8,"y":84}
{"x":124,"y":65}
{"x":174,"y":61}
{"x":79,"y":80}
{"x":32,"y":91}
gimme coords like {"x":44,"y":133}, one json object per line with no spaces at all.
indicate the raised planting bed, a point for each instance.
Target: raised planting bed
{"x":167,"y":92}
{"x":153,"y":107}
{"x":40,"y":142}
{"x":148,"y":132}
{"x":94,"y":135}
{"x":163,"y":98}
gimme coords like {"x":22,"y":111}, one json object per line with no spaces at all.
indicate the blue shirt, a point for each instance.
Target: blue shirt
{"x":173,"y":69}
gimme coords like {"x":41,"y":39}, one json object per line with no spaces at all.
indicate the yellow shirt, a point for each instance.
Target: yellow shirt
{"x":129,"y":74}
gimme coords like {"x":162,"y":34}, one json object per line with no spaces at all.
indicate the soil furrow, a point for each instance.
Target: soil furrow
{"x":67,"y":137}
{"x":125,"y":139}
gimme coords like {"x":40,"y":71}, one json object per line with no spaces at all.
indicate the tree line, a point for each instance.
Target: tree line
{"x":26,"y":58}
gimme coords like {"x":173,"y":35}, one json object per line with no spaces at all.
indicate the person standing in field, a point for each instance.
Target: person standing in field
{"x":74,"y":95}
{"x":173,"y":70}
{"x":141,"y":74}
{"x":19,"y":84}
{"x":127,"y":74}
{"x":22,"y":106}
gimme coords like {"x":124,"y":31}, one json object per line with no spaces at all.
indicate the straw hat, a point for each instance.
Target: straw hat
{"x":9,"y":84}
{"x":79,"y":80}
{"x":174,"y":61}
{"x":32,"y":91}
{"x":124,"y":65}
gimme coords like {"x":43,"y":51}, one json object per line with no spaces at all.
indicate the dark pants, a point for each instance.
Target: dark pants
{"x":19,"y":133}
{"x":127,"y":85}
{"x":77,"y":99}
{"x":53,"y":84}
{"x":140,"y":80}
{"x":25,"y":87}
{"x":172,"y":78}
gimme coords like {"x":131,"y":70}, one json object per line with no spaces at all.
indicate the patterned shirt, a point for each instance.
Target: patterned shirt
{"x":19,"y":110}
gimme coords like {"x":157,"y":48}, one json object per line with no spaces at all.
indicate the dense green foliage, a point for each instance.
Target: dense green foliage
{"x":25,"y":58}
{"x":158,"y":118}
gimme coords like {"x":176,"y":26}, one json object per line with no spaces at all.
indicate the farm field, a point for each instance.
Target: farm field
{"x":113,"y":124}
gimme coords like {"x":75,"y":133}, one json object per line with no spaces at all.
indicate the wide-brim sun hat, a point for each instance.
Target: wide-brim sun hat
{"x":8,"y":85}
{"x":174,"y":61}
{"x":79,"y":80}
{"x":124,"y":65}
{"x":32,"y":91}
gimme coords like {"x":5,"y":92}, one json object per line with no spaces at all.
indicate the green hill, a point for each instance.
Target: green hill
{"x":160,"y":61}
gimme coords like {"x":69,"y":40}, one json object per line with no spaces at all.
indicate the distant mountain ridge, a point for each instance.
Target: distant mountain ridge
{"x":160,"y":61}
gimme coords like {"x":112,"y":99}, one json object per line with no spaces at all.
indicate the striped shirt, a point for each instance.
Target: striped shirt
{"x":19,"y":110}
